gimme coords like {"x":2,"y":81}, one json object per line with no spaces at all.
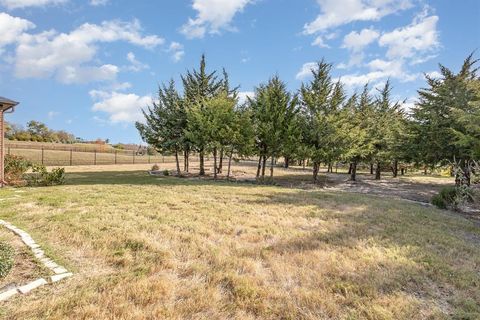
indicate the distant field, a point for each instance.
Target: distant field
{"x":59,"y":146}
{"x":67,"y":158}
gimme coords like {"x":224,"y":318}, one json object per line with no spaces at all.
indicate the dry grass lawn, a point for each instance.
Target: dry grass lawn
{"x":169,"y":248}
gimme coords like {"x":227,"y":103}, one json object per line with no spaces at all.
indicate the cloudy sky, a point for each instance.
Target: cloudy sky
{"x":90,"y":66}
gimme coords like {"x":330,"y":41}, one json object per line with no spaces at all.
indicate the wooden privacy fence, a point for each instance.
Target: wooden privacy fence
{"x":74,"y":157}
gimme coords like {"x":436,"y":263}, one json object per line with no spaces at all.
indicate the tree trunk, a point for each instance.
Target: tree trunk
{"x":202,"y":162}
{"x":377,"y":171}
{"x":402,"y":171}
{"x":230,"y":163}
{"x":371,"y":168}
{"x":316,"y":168}
{"x":185,"y":160}
{"x":287,"y":160}
{"x":259,"y":166}
{"x":353,"y":174}
{"x":215,"y":163}
{"x":304,"y":163}
{"x":220,"y":164}
{"x":271,"y":167}
{"x":395,"y":168}
{"x":264,"y":164}
{"x":177,"y":162}
{"x":350,"y":168}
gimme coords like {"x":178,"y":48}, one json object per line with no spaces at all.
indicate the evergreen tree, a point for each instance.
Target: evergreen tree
{"x":445,"y":120}
{"x":322,"y":101}
{"x":273,"y":108}
{"x":165,"y":122}
{"x":200,"y":86}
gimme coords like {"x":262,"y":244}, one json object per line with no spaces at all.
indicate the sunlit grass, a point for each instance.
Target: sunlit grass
{"x":150,"y":248}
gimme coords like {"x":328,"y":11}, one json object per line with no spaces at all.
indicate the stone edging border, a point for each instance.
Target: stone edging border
{"x":60,"y":272}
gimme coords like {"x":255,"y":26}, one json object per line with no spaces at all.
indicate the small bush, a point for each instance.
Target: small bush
{"x":155,"y":167}
{"x":6,"y":259}
{"x":15,"y":168}
{"x":452,"y":197}
{"x":166,"y":172}
{"x":55,"y":177}
{"x":41,"y":177}
{"x":445,"y":198}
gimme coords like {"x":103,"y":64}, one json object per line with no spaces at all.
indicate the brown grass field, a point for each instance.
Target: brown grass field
{"x":144,"y":247}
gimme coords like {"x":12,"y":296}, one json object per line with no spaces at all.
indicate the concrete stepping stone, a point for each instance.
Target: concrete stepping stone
{"x":8,"y":294}
{"x":60,"y":272}
{"x":32,"y":285}
{"x":59,"y":277}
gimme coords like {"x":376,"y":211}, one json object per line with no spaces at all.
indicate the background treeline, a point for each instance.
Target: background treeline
{"x":320,"y":123}
{"x":39,"y":132}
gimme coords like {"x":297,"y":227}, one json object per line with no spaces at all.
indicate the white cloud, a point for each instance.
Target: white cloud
{"x":16,"y":4}
{"x":121,"y":107}
{"x":379,"y":70}
{"x":356,"y":41}
{"x":135,"y":65}
{"x":97,"y":3}
{"x":11,"y":28}
{"x":319,"y":42}
{"x":306,"y":70}
{"x":176,"y":50}
{"x":434,"y":75}
{"x":243,"y":95}
{"x":409,"y":104}
{"x":406,"y":42}
{"x":78,"y":74}
{"x":64,"y":55}
{"x":335,"y":13}
{"x":212,"y":17}
{"x":52,"y":114}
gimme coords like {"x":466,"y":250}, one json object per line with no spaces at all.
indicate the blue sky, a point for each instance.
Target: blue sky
{"x":90,"y":66}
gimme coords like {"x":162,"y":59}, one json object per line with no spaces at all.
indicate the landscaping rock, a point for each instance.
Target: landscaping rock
{"x":32,"y":285}
{"x":8,"y":294}
{"x":59,"y":277}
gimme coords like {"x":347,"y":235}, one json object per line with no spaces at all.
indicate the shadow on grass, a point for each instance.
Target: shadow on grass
{"x":141,"y":177}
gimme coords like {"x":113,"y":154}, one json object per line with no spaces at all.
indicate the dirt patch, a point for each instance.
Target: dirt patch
{"x":25,"y":268}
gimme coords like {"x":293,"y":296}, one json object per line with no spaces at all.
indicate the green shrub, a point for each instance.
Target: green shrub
{"x":166,"y":172}
{"x":155,"y":167}
{"x":15,"y":168}
{"x":6,"y":259}
{"x":452,"y":197}
{"x":55,"y":177}
{"x":445,"y":198}
{"x":41,"y":177}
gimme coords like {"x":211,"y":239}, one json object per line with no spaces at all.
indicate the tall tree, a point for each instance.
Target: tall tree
{"x":386,"y":128}
{"x":274,"y":108}
{"x":200,"y":86}
{"x":165,"y":122}
{"x":445,"y":120}
{"x":322,"y":101}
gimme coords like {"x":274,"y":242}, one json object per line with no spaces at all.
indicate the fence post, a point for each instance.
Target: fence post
{"x":133,"y":154}
{"x":163,"y":158}
{"x":95,"y":158}
{"x":115,"y":156}
{"x":71,"y":157}
{"x":148,"y":158}
{"x":42,"y":156}
{"x":8,"y":152}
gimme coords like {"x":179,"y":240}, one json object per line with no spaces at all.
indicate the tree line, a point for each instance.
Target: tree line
{"x":319,"y":124}
{"x":38,"y":132}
